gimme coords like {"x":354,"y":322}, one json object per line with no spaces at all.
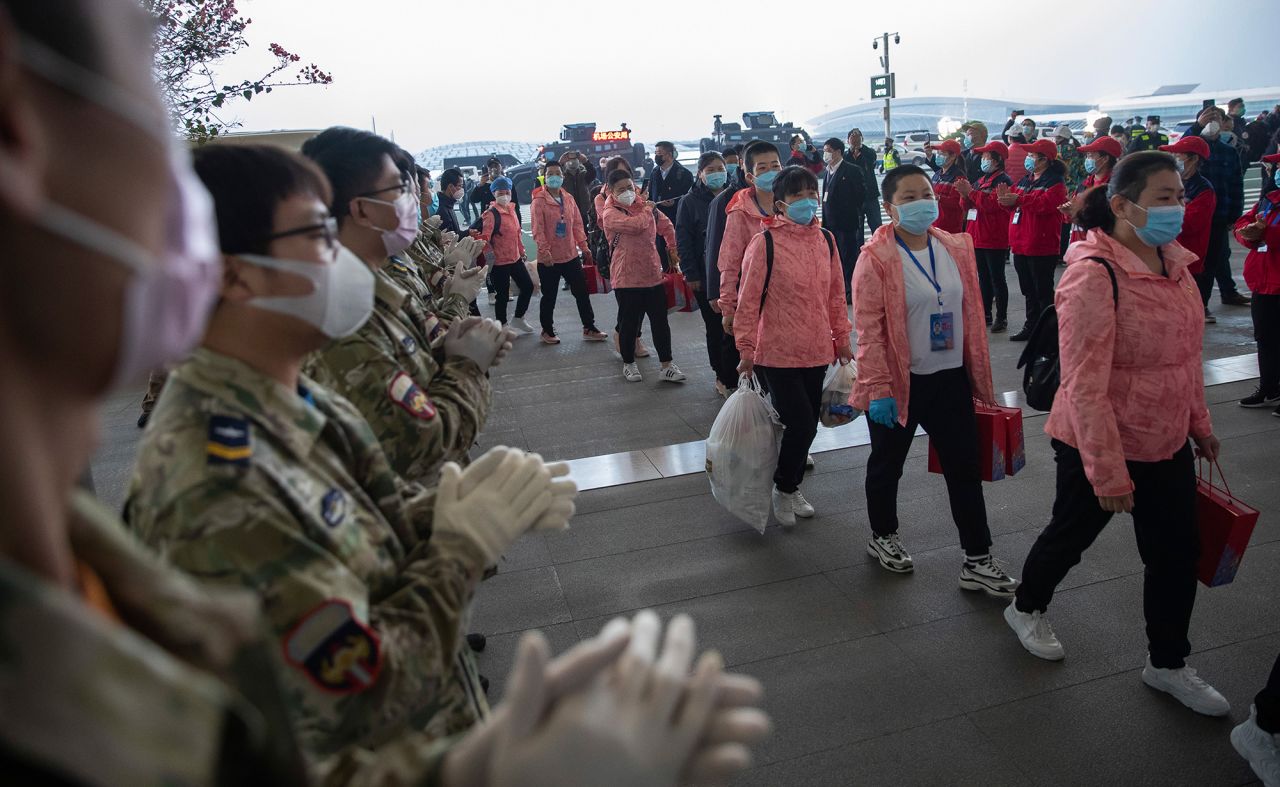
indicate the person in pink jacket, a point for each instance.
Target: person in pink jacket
{"x":744,"y":219}
{"x":791,"y":324}
{"x":504,"y":251}
{"x":922,"y":360}
{"x":562,"y":248}
{"x":631,"y":223}
{"x":608,"y":167}
{"x":1132,"y":393}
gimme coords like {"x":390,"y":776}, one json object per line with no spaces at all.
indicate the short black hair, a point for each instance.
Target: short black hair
{"x":732,"y":150}
{"x":451,"y":177}
{"x":836,"y":144}
{"x":493,"y":162}
{"x":709,"y":158}
{"x":61,"y":25}
{"x":667,"y":146}
{"x":793,"y":180}
{"x":351,"y":159}
{"x":756,"y":149}
{"x":247,"y":182}
{"x":889,"y":186}
{"x":551,"y":162}
{"x":1117,"y":129}
{"x":1128,"y":180}
{"x":616,"y":177}
{"x":854,"y":130}
{"x":616,"y":162}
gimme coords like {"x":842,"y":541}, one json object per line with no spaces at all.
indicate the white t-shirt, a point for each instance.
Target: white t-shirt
{"x":922,"y":304}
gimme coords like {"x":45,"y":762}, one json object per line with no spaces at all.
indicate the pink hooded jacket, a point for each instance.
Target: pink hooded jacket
{"x":1132,"y":380}
{"x":635,"y":261}
{"x":743,"y":221}
{"x":880,"y":315}
{"x":804,"y":319}
{"x":546,"y":214}
{"x":507,"y":246}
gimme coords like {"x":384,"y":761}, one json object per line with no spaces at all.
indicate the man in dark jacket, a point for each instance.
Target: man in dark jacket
{"x":451,"y":193}
{"x":670,"y":180}
{"x":579,"y":175}
{"x":844,"y":197}
{"x":716,"y":218}
{"x":1222,"y":169}
{"x":691,"y":242}
{"x":482,"y":194}
{"x":863,"y":156}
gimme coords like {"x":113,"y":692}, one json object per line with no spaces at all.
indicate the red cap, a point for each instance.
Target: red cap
{"x":948,"y":146}
{"x":1103,"y":144}
{"x":1274,"y":158}
{"x":1043,"y":147}
{"x":1188,"y":144}
{"x":995,"y":146}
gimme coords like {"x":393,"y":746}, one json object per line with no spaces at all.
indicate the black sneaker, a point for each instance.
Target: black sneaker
{"x":999,"y":326}
{"x":1022,"y":335}
{"x":477,"y":642}
{"x":142,"y":420}
{"x":1260,"y":399}
{"x":1236,"y":299}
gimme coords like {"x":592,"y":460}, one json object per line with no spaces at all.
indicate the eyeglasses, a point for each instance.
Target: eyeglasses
{"x":328,"y":229}
{"x":401,"y":187}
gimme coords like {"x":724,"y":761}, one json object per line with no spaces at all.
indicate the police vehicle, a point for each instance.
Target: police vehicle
{"x":754,"y":125}
{"x":587,"y":139}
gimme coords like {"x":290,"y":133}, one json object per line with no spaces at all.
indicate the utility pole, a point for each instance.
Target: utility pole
{"x":888,"y":80}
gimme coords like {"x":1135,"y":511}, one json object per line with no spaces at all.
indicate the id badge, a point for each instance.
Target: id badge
{"x":942,"y":334}
{"x":1263,"y":248}
{"x":562,"y":229}
{"x":972,"y":215}
{"x":1017,"y":214}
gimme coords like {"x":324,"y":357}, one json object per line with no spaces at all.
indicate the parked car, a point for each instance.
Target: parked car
{"x":906,"y":155}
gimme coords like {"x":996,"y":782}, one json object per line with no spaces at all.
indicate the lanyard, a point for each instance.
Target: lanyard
{"x":1266,"y":214}
{"x":559,"y":202}
{"x":933,"y":265}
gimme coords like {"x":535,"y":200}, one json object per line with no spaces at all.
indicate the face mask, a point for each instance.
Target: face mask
{"x":434,"y":208}
{"x":1211,"y":130}
{"x":1029,"y":132}
{"x":168,"y":299}
{"x":917,"y":217}
{"x":731,"y":169}
{"x":968,"y":141}
{"x":405,"y":232}
{"x":764,"y":181}
{"x":625,"y":198}
{"x":826,"y":157}
{"x":939,"y":159}
{"x":341,"y":298}
{"x":555,"y":181}
{"x":457,"y":195}
{"x":1163,"y":224}
{"x":1090,"y":165}
{"x":716,"y":180}
{"x":1030,"y":163}
{"x":661,"y":161}
{"x":1226,"y":137}
{"x":1276,"y":178}
{"x":1180,"y":164}
{"x":504,"y":199}
{"x":802,"y":211}
{"x":988,"y":166}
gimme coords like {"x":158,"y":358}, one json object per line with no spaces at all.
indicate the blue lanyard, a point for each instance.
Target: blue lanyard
{"x":559,"y":202}
{"x":933,"y":265}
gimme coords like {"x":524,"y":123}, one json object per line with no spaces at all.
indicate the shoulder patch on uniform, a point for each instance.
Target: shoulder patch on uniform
{"x":333,"y":507}
{"x":433,"y":327}
{"x":406,"y":393}
{"x":229,"y":441}
{"x":410,"y":346}
{"x":337,"y":652}
{"x":400,"y":266}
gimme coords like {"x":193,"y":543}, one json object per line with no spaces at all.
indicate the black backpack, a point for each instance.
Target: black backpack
{"x":768,"y":261}
{"x":478,"y":224}
{"x":1042,"y":377}
{"x":602,"y":248}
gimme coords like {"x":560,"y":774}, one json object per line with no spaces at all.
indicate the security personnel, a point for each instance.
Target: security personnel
{"x":1149,"y":138}
{"x":891,"y":158}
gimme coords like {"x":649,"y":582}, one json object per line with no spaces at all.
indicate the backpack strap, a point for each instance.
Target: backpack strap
{"x":768,"y":267}
{"x":1115,"y":284}
{"x":497,"y":220}
{"x":831,"y":244}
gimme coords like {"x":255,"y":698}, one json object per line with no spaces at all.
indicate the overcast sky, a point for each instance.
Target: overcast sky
{"x":436,"y":72}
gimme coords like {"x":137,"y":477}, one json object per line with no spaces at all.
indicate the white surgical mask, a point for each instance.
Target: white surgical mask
{"x":341,"y":298}
{"x":1211,"y":130}
{"x":626,"y":198}
{"x":504,"y":199}
{"x":826,"y":156}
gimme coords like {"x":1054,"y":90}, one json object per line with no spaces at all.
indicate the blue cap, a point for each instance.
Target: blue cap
{"x":501,"y":184}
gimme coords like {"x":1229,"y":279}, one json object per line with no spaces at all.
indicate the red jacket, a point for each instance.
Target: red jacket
{"x":1201,"y":202}
{"x":743,"y":221}
{"x":1262,"y":268}
{"x":950,"y":212}
{"x":1078,"y":234}
{"x":1036,"y":227}
{"x":991,"y":229}
{"x":507,"y":246}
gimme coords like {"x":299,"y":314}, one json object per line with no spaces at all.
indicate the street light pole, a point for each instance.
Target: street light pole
{"x":884,"y":61}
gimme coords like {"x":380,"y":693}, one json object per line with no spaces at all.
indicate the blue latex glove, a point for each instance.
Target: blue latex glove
{"x":884,"y":412}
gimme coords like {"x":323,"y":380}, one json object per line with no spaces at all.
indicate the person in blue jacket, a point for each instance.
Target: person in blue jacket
{"x":691,"y":241}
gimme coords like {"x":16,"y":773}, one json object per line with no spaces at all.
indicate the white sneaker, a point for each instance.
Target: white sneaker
{"x":891,"y":554}
{"x":671,"y":374}
{"x":631,"y":372}
{"x":802,"y":507}
{"x":521,"y":324}
{"x":784,"y":508}
{"x":1259,"y":748}
{"x":988,"y":575}
{"x":1035,"y":633}
{"x":808,"y":462}
{"x":1186,"y":687}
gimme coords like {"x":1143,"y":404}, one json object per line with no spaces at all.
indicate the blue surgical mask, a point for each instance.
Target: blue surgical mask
{"x":988,"y":166}
{"x":555,"y":181}
{"x":968,"y":141}
{"x":917,"y":217}
{"x":1090,"y":164}
{"x":1163,"y":224}
{"x":765,"y":180}
{"x":731,"y":169}
{"x":1180,"y":164}
{"x":802,"y":211}
{"x":1276,"y":178}
{"x":435,"y":203}
{"x":716,"y":180}
{"x":1030,"y":163}
{"x":939,"y":159}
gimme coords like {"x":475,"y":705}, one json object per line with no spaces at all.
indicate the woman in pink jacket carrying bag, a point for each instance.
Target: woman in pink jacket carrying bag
{"x":791,"y":324}
{"x":1132,"y":394}
{"x":922,"y":360}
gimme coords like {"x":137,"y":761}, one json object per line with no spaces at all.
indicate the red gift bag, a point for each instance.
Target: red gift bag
{"x":679,"y":295}
{"x":1225,"y":527}
{"x":596,"y":284}
{"x":1000,"y":437}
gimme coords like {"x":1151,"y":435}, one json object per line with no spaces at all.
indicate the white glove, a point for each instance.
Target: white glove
{"x":464,"y":253}
{"x":466,"y":282}
{"x":477,"y":338}
{"x":510,"y":491}
{"x":434,"y":222}
{"x":447,"y":239}
{"x":508,"y":339}
{"x":563,"y":492}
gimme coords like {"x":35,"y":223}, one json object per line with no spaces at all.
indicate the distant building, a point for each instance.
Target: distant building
{"x":433,"y":158}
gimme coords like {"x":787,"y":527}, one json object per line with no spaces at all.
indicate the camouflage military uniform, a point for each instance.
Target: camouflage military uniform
{"x":419,"y":306}
{"x":428,"y":252}
{"x":422,"y":413}
{"x":286,"y":492}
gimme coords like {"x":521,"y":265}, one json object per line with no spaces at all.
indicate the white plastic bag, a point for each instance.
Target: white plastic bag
{"x":742,"y":453}
{"x":835,"y":409}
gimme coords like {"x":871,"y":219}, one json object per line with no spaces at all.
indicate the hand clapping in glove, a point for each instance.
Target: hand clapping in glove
{"x":463,"y":252}
{"x":447,"y":239}
{"x":465,"y":282}
{"x":434,"y":222}
{"x":477,"y":338}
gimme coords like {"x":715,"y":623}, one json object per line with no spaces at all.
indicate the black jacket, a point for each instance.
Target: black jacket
{"x":579,"y":185}
{"x":844,"y":197}
{"x":483,"y":194}
{"x":691,"y":230}
{"x":675,"y":184}
{"x":716,"y":218}
{"x":448,"y":214}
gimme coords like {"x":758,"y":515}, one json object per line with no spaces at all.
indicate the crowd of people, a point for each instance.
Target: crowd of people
{"x":285,"y":599}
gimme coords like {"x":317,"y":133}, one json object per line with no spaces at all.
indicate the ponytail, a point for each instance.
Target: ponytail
{"x":1095,"y":211}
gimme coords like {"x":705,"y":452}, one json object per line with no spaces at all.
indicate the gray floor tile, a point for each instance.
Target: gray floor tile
{"x":519,"y":600}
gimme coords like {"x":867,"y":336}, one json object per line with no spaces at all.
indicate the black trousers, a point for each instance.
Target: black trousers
{"x":1035,"y":280}
{"x":729,"y":357}
{"x":796,"y":395}
{"x":503,"y":275}
{"x":848,"y":243}
{"x":549,"y":277}
{"x":1066,"y":241}
{"x":1266,"y":332}
{"x":1267,"y":702}
{"x":942,"y":403}
{"x":714,"y":324}
{"x":633,"y":304}
{"x":1164,"y":521}
{"x":1217,"y":263}
{"x":992,"y":282}
{"x":617,"y":325}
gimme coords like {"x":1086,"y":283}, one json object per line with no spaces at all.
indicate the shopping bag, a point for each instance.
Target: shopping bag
{"x":679,"y":295}
{"x":835,"y":409}
{"x":742,"y":453}
{"x":596,"y":284}
{"x":1225,"y":527}
{"x":1000,"y":451}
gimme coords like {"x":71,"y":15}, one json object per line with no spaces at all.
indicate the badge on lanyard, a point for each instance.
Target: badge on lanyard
{"x":942,"y":335}
{"x":1017,"y":214}
{"x":972,"y":215}
{"x":562,"y":229}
